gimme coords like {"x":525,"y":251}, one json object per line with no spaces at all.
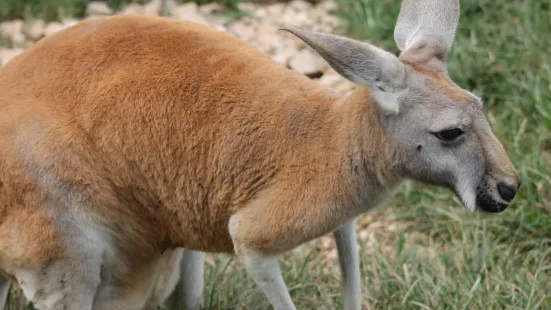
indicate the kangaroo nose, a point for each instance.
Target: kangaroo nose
{"x":506,"y":192}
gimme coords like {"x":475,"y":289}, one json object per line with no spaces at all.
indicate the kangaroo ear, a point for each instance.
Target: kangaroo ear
{"x":361,"y":63}
{"x":425,"y":31}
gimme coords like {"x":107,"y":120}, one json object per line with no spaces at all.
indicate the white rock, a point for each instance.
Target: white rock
{"x":326,"y":242}
{"x":189,"y":11}
{"x":190,"y":8}
{"x":268,"y":29}
{"x":210,"y":8}
{"x":282,"y":57}
{"x":8,"y":54}
{"x":363,"y":235}
{"x":331,"y":78}
{"x":27,"y":44}
{"x":327,"y":5}
{"x":221,"y":28}
{"x":52,"y":28}
{"x":271,"y":43}
{"x":260,"y":13}
{"x":290,"y":41}
{"x":34,"y":30}
{"x":18,"y":38}
{"x":300,"y":6}
{"x":307,"y":63}
{"x":321,"y":28}
{"x":69,"y":22}
{"x":214,"y":21}
{"x":98,"y":8}
{"x":275,"y":10}
{"x":244,"y":31}
{"x":329,"y":20}
{"x":290,"y":17}
{"x":13,"y":31}
{"x":152,"y":8}
{"x":8,"y":28}
{"x":333,"y":254}
{"x":132,"y":9}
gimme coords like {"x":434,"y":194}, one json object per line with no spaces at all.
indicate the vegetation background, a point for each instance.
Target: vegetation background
{"x":457,"y":260}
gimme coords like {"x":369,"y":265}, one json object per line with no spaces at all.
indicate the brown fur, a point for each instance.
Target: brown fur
{"x":498,"y":164}
{"x":425,"y":57}
{"x":135,"y":142}
{"x":438,"y":81}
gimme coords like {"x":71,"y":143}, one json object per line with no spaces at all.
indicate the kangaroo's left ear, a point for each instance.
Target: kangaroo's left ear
{"x":361,"y":63}
{"x":425,"y":31}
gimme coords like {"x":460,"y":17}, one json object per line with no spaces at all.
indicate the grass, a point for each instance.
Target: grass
{"x":446,"y":257}
{"x":46,"y":9}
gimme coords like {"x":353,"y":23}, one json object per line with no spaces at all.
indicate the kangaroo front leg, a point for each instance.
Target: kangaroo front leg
{"x":5,"y":284}
{"x":192,"y":282}
{"x":189,"y":292}
{"x":266,"y":272}
{"x":262,"y":267}
{"x":349,"y":261}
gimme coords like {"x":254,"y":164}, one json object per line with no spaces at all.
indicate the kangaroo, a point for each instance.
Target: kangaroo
{"x":123,"y":138}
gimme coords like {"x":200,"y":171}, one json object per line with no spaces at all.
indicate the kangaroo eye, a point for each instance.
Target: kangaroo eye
{"x":449,"y":135}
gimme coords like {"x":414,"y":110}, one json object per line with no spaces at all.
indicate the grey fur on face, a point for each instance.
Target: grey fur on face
{"x":421,"y":108}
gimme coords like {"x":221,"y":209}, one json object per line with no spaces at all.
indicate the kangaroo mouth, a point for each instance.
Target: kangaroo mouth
{"x":487,"y":199}
{"x":486,"y":203}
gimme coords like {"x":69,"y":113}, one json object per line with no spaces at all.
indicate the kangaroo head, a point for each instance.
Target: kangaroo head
{"x":439,"y":127}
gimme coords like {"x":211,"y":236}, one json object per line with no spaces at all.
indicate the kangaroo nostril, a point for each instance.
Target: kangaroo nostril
{"x":507,"y":192}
